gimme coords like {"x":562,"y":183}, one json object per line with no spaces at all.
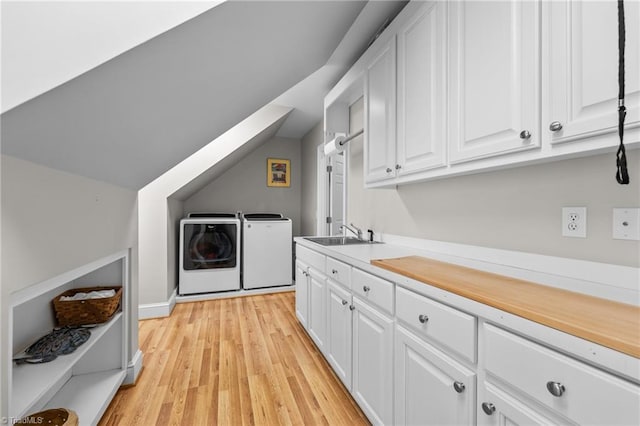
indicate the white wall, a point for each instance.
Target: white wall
{"x":244,"y":187}
{"x":308,"y":200}
{"x":175,"y":211}
{"x":515,"y":209}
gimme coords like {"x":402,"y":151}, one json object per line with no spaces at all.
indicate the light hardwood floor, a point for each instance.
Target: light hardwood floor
{"x":235,"y":361}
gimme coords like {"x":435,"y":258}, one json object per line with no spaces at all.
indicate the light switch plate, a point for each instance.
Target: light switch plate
{"x":626,"y":223}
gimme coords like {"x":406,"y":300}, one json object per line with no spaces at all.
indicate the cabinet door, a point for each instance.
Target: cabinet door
{"x":372,"y":362}
{"x":422,"y":90}
{"x":380,"y":115}
{"x":302,"y":293}
{"x":431,"y":388}
{"x":494,"y":78}
{"x":581,"y":69}
{"x":498,"y":408}
{"x":317,"y":318}
{"x":339,"y":332}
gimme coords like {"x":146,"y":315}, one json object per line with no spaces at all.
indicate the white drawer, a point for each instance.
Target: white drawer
{"x":339,"y":272}
{"x":447,"y":326}
{"x":372,"y":289}
{"x":310,"y":257}
{"x":588,"y":395}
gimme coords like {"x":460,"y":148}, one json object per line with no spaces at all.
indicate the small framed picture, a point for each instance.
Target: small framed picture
{"x":278,"y":172}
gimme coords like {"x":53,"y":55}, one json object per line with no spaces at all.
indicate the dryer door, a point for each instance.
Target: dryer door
{"x":209,"y":245}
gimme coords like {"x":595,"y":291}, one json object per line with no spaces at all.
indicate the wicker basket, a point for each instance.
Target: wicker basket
{"x":87,"y":311}
{"x":54,"y":417}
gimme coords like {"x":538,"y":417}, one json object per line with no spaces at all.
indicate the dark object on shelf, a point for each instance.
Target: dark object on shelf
{"x":86,"y":311}
{"x":53,"y":416}
{"x":60,"y":341}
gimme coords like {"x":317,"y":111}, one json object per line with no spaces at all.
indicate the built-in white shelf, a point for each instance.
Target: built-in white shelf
{"x":85,"y":380}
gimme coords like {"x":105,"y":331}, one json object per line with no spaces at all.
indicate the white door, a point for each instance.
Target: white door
{"x":494,"y":78}
{"x":317,"y":319}
{"x":373,"y":362}
{"x":339,"y":332}
{"x":380,"y":115}
{"x":302,"y":293}
{"x":431,"y":388}
{"x":581,"y":59}
{"x":422,"y":90}
{"x":336,"y":193}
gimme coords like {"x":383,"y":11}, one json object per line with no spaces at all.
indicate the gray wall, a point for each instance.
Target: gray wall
{"x":53,"y":222}
{"x":309,"y":201}
{"x":515,"y":209}
{"x":244,"y":186}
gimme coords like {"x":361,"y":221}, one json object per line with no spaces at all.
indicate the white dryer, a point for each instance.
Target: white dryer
{"x":209,"y":253}
{"x":267,"y":250}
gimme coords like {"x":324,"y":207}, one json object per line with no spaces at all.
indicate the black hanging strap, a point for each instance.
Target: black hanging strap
{"x":622,"y":175}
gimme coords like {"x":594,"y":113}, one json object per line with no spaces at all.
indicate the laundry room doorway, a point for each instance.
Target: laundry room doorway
{"x":332,"y":200}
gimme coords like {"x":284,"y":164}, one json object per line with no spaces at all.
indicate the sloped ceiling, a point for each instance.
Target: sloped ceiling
{"x":134,"y":117}
{"x":45,"y":44}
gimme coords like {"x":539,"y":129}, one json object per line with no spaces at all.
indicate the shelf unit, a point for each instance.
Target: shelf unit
{"x":85,"y":380}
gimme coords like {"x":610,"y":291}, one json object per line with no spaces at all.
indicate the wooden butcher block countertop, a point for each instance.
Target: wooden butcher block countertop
{"x":611,"y":324}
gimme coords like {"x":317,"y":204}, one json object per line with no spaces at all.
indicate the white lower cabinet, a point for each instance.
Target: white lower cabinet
{"x":373,"y":362}
{"x":317,"y":324}
{"x":430,"y":387}
{"x":339,"y":333}
{"x":498,"y":407}
{"x":302,"y":292}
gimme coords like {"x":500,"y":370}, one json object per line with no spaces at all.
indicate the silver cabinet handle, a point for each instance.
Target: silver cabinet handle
{"x":525,"y":134}
{"x":352,"y":307}
{"x":555,"y":126}
{"x":344,"y":302}
{"x":389,"y":170}
{"x":398,"y":166}
{"x":366,"y":288}
{"x":423,"y":318}
{"x":555,"y":388}
{"x":488,"y":408}
{"x":459,"y":387}
{"x":334,"y":271}
{"x":305,"y":273}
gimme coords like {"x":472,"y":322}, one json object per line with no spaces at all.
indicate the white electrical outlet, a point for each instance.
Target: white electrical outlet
{"x":626,"y":224}
{"x":574,"y":222}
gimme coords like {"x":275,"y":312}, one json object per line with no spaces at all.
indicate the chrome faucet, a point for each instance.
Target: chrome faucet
{"x":357,"y":231}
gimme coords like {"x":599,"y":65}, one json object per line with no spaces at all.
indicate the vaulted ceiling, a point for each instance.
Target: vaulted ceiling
{"x":135,"y":116}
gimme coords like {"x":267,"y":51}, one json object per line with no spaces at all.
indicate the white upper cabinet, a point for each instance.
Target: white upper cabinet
{"x":422,"y":90}
{"x":581,"y":69}
{"x":380,"y":115}
{"x":494,"y":74}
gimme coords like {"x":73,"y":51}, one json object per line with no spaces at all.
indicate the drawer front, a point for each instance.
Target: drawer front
{"x":583,"y":393}
{"x":339,"y":272}
{"x":433,"y":320}
{"x":310,"y":257}
{"x":373,"y":289}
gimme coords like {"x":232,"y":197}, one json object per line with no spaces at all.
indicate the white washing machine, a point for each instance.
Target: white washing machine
{"x":209,"y":253}
{"x":267,"y":250}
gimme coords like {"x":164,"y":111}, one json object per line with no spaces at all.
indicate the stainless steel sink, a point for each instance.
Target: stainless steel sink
{"x":339,"y":241}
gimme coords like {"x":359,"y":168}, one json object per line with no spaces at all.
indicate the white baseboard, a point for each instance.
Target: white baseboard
{"x":133,"y":369}
{"x":157,"y":310}
{"x":230,"y":294}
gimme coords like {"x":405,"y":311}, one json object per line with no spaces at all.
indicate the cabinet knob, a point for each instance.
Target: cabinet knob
{"x":398,"y":166}
{"x":555,"y":388}
{"x":525,"y":134}
{"x":423,"y":318}
{"x":555,"y":126}
{"x":344,"y":302}
{"x":334,"y":271}
{"x":488,"y":408}
{"x":389,"y":170}
{"x":305,"y":273}
{"x":352,"y":308}
{"x":366,"y":288}
{"x":459,"y":387}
